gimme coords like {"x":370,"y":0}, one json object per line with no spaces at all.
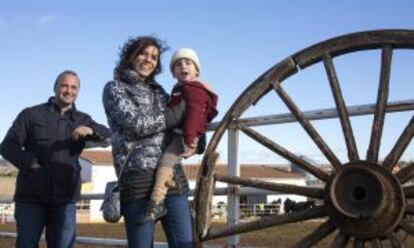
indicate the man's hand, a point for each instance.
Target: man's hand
{"x":35,"y":166}
{"x":81,"y":132}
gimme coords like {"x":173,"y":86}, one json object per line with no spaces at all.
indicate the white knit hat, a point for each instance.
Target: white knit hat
{"x":185,"y":53}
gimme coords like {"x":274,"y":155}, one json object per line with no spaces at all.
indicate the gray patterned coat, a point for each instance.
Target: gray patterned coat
{"x":135,"y":112}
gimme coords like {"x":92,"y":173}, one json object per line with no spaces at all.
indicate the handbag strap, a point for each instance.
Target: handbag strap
{"x":124,"y":164}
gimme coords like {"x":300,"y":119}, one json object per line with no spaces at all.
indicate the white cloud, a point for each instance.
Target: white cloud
{"x":48,"y":19}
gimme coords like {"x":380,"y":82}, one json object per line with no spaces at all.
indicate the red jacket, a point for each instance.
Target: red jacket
{"x":200,"y":108}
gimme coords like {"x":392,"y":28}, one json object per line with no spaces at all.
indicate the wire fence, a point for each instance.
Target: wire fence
{"x":218,"y":213}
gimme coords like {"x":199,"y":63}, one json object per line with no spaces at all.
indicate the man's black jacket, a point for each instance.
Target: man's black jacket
{"x":41,"y":133}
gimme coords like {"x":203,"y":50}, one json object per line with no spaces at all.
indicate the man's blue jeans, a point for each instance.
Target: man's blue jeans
{"x":176,"y":224}
{"x":59,"y":220}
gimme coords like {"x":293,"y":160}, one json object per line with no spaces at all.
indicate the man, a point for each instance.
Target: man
{"x":44,"y":143}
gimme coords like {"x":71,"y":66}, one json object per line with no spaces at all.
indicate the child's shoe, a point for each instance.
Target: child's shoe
{"x":153,"y":212}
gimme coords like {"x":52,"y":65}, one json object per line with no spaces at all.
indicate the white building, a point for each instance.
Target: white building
{"x":254,"y":171}
{"x":97,"y":170}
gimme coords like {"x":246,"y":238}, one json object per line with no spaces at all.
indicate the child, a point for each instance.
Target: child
{"x":200,"y":104}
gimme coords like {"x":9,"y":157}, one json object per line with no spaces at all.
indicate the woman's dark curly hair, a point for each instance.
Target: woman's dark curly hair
{"x":135,"y":46}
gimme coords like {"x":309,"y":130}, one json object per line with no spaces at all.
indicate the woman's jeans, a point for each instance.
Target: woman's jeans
{"x":59,"y":220}
{"x":176,"y":224}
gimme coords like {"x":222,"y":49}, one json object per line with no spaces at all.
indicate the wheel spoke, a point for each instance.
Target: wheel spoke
{"x":340,"y":105}
{"x":281,"y":187}
{"x":340,"y":240}
{"x":409,"y":191}
{"x":359,"y":243}
{"x":382,"y":97}
{"x":311,"y":213}
{"x":405,"y":138}
{"x":376,"y":243}
{"x":409,"y":209}
{"x":317,"y":235}
{"x":285,"y":153}
{"x":395,"y":243}
{"x":307,"y":126}
{"x":407,"y":227}
{"x":406,"y":173}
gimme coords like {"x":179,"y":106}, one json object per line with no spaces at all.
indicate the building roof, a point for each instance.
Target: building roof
{"x":246,"y":170}
{"x":99,"y":157}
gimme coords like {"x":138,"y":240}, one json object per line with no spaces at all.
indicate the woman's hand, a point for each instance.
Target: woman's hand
{"x":174,"y":115}
{"x":190,"y":150}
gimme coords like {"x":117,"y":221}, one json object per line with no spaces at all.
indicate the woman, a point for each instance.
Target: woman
{"x":135,"y":105}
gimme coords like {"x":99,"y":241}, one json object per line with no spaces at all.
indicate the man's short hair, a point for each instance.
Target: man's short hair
{"x":63,"y":74}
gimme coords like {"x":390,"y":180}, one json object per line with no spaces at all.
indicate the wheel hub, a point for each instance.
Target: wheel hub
{"x":364,"y":200}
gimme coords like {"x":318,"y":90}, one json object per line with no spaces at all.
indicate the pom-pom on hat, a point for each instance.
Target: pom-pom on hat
{"x":185,"y":53}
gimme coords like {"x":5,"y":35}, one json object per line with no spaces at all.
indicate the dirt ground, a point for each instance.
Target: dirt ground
{"x":283,"y":236}
{"x":7,"y":186}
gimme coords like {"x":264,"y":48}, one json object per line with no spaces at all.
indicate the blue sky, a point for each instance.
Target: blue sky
{"x":236,"y":42}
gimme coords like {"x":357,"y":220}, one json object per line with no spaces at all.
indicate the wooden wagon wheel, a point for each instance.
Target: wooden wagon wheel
{"x":374,"y":206}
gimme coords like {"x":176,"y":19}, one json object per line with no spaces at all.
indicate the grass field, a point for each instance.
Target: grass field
{"x":283,"y":236}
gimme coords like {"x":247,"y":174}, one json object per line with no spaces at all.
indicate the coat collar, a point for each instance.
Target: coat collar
{"x":53,"y":107}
